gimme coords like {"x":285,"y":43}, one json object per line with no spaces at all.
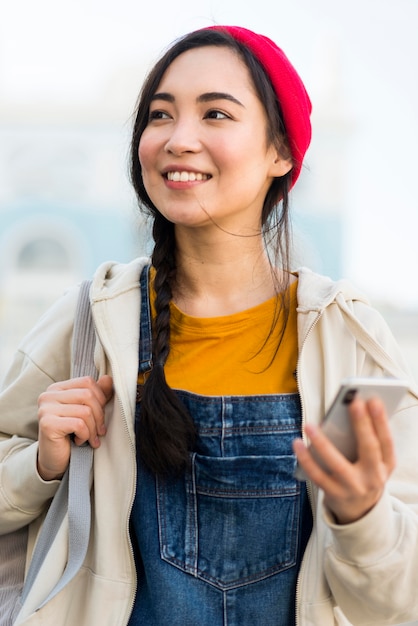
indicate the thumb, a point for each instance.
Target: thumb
{"x":106,"y":385}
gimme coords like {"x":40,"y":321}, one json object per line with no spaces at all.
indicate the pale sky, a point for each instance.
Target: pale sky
{"x":55,"y":52}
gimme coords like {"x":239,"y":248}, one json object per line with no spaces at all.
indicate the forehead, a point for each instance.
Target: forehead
{"x":207,"y":68}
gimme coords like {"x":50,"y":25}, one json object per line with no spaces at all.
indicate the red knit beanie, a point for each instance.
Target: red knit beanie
{"x":290,"y":90}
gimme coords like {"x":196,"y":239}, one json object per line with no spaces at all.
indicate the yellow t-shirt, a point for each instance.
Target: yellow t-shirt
{"x":233,"y":354}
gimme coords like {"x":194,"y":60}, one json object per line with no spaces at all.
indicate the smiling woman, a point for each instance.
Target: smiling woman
{"x":216,"y":361}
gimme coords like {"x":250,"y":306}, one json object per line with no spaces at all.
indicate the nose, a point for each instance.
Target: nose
{"x":184,"y":138}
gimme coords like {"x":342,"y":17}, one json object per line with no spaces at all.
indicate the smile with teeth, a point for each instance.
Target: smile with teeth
{"x":186,"y":177}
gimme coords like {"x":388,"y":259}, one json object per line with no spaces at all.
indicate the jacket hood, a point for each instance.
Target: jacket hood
{"x":113,"y":279}
{"x":316,"y":292}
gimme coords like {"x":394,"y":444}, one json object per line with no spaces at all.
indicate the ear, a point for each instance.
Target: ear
{"x":280,"y":166}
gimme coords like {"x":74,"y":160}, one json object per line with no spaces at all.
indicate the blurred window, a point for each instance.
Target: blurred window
{"x":43,"y":255}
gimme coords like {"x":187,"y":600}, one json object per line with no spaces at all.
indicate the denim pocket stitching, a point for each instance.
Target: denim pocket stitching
{"x":185,"y":550}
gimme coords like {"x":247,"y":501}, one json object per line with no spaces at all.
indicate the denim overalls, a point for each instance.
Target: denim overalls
{"x":222,"y":545}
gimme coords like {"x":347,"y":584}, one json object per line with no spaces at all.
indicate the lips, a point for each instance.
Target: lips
{"x":182,"y":176}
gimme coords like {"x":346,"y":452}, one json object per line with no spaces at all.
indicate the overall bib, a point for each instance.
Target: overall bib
{"x":222,"y":544}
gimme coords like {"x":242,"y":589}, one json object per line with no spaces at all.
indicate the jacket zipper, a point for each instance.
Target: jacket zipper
{"x":132,"y":599}
{"x":113,"y":369}
{"x":308,"y":482}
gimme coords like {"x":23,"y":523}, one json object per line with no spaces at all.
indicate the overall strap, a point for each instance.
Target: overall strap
{"x":145,"y":332}
{"x":145,"y":326}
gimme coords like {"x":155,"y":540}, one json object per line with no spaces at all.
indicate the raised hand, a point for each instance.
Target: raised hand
{"x":70,"y":408}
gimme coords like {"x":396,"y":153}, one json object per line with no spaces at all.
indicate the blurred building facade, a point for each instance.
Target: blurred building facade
{"x":65,"y":207}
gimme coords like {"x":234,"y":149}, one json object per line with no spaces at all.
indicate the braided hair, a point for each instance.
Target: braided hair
{"x":166,"y":429}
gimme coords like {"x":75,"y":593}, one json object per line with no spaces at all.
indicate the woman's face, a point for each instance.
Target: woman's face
{"x":204,"y":154}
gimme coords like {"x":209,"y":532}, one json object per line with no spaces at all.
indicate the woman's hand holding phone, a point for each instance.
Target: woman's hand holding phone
{"x":352,"y":486}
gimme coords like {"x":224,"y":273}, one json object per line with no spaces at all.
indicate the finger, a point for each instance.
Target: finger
{"x":381,"y":424}
{"x":80,"y":391}
{"x":368,"y":445}
{"x":106,"y":385}
{"x":321,"y":461}
{"x":305,"y":459}
{"x":74,"y":407}
{"x":73,"y":404}
{"x":82,"y":383}
{"x":54,"y":428}
{"x":325,"y":452}
{"x":56,"y":421}
{"x":81,"y":405}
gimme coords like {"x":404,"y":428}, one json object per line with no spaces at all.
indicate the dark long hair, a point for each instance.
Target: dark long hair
{"x":166,"y":430}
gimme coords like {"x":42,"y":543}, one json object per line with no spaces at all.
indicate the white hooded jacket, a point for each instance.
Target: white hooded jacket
{"x":362,"y":573}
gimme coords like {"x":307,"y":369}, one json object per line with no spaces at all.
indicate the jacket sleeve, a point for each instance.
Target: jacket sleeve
{"x":372,"y":564}
{"x":43,"y":357}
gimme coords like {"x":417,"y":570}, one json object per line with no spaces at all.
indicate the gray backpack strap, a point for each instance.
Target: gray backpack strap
{"x":73,"y":495}
{"x":84,"y":337}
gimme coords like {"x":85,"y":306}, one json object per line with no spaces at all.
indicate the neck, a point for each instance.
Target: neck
{"x":223,"y":275}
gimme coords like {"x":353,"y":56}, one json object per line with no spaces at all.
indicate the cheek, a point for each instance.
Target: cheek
{"x":145,"y":153}
{"x":142,"y":160}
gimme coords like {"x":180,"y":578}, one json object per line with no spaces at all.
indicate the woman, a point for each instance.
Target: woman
{"x":197,"y":516}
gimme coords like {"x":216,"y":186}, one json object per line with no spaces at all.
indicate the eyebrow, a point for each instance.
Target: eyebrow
{"x":204,"y":97}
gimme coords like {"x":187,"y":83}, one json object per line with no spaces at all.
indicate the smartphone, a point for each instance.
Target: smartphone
{"x":336,"y":424}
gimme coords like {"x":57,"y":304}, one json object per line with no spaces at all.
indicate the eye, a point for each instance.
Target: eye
{"x":158,"y":115}
{"x":216,"y":114}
